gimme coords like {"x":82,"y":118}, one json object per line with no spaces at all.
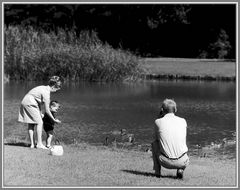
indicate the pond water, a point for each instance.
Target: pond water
{"x":91,"y":110}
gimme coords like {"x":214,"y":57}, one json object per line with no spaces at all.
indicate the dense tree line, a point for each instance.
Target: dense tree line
{"x":167,"y":30}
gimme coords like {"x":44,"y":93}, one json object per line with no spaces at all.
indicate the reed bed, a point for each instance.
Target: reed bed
{"x":31,"y":54}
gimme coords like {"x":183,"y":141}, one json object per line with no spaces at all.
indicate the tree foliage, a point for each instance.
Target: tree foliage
{"x":175,"y":30}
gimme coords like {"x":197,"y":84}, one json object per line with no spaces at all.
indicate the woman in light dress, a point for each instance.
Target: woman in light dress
{"x":30,"y":109}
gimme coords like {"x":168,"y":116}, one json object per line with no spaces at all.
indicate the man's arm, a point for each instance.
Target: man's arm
{"x":156,"y":134}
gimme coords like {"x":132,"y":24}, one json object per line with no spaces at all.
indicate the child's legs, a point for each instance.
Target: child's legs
{"x":49,"y":139}
{"x":39,"y":134}
{"x":31,"y":134}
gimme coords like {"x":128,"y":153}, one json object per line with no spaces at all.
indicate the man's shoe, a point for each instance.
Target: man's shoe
{"x":180,"y":173}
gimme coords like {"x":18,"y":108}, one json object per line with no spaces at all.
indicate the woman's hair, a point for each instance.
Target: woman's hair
{"x":169,"y":106}
{"x":55,"y":81}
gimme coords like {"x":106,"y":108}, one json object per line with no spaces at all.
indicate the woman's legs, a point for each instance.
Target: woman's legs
{"x":31,"y":134}
{"x":39,"y":135}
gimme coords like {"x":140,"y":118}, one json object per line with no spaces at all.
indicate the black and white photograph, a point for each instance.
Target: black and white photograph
{"x":119,"y":94}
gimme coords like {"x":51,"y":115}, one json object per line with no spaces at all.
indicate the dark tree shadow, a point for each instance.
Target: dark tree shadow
{"x":23,"y":144}
{"x":148,"y":174}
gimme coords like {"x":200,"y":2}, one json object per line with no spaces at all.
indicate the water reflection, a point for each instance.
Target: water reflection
{"x":90,"y":110}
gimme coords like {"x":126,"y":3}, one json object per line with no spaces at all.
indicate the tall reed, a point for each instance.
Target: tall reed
{"x":31,"y":54}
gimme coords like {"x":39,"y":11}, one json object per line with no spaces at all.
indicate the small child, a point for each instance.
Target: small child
{"x":48,"y":123}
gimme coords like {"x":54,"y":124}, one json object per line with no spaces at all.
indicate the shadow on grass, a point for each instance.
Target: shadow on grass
{"x":23,"y":144}
{"x":147,"y":174}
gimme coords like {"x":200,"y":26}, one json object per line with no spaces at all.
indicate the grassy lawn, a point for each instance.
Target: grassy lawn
{"x":85,"y":165}
{"x":189,"y":67}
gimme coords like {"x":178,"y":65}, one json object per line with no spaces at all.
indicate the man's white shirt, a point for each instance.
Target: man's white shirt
{"x":171,"y":132}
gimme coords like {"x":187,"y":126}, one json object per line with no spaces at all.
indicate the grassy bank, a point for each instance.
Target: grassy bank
{"x":86,"y":165}
{"x":194,"y":69}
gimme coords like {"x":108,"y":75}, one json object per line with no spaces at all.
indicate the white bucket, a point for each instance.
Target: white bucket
{"x":56,"y":150}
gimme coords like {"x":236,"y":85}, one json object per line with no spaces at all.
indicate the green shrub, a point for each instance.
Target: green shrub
{"x":36,"y":55}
